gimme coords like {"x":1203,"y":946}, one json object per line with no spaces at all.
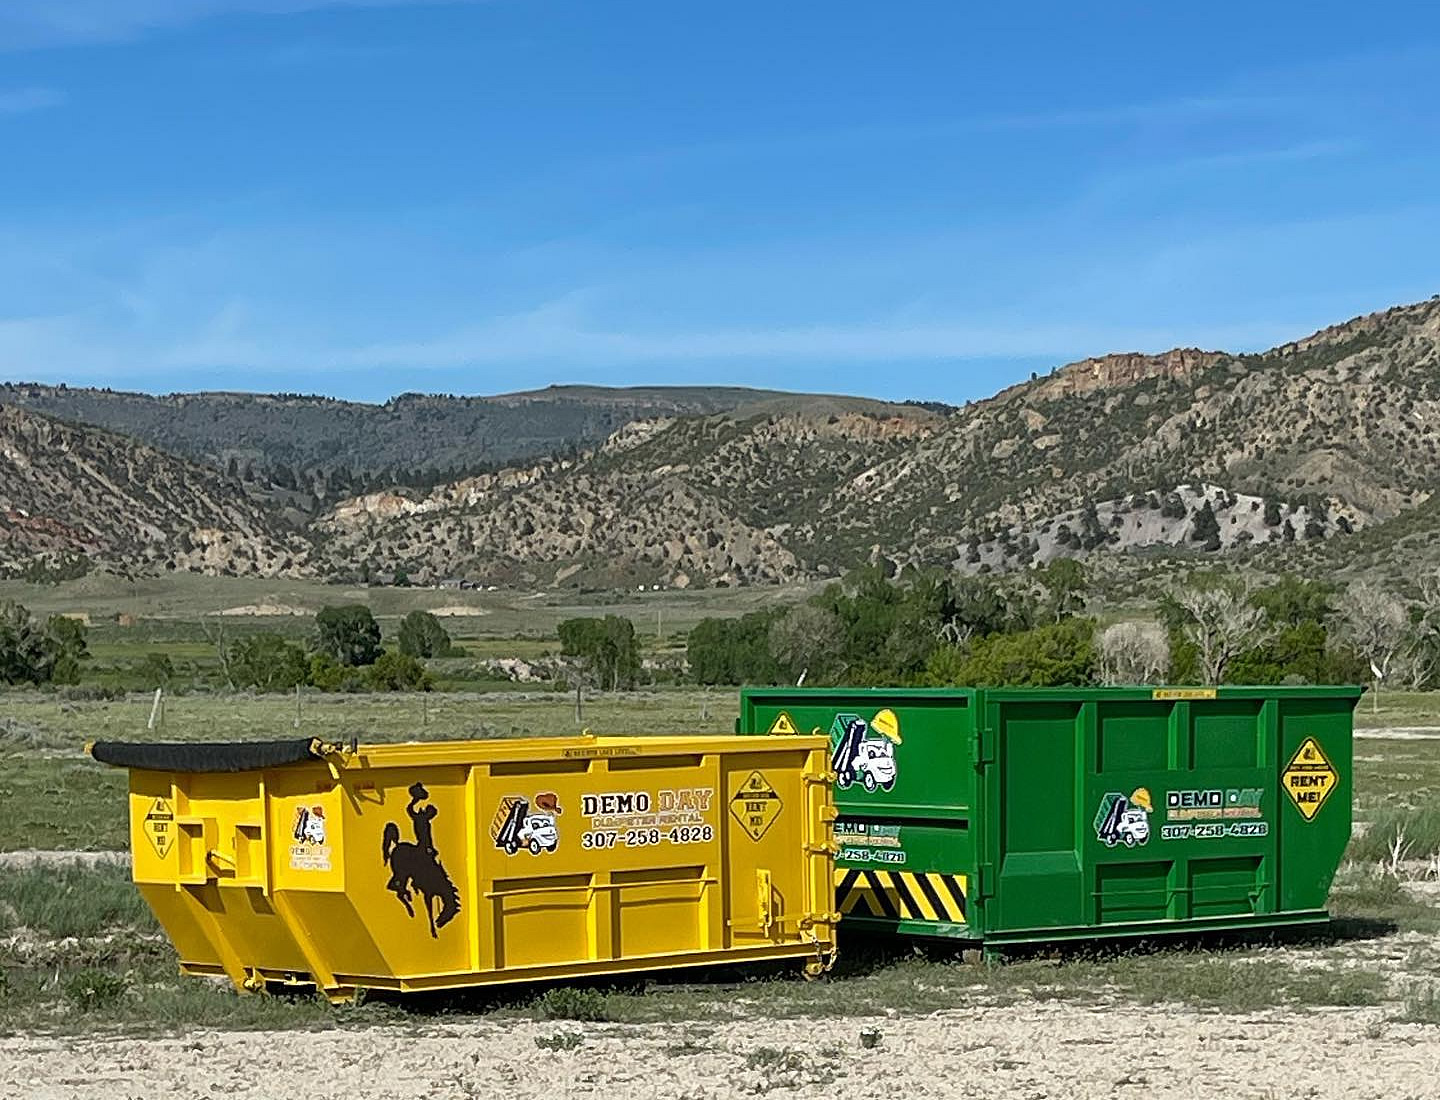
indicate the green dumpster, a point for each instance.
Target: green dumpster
{"x":1021,"y":815}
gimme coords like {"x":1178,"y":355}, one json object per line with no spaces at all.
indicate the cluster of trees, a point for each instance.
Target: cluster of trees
{"x":921,"y":628}
{"x":346,"y":654}
{"x":1030,"y":629}
{"x":35,"y":652}
{"x":927,"y":628}
{"x":603,"y":652}
{"x":1223,"y":629}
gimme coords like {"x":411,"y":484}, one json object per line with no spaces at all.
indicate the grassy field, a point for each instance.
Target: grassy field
{"x":187,"y":620}
{"x":163,"y":602}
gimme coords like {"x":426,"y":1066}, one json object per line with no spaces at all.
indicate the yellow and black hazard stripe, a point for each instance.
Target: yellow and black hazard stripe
{"x":900,"y":895}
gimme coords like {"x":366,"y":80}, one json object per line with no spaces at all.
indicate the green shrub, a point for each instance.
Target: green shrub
{"x":1415,"y":828}
{"x":421,"y":635}
{"x":1054,"y":655}
{"x":607,"y":646}
{"x":267,"y":662}
{"x":92,"y":989}
{"x":328,"y":674}
{"x":570,"y":1003}
{"x":1421,"y":1007}
{"x":561,"y":1040}
{"x":348,"y":633}
{"x":397,"y":672}
{"x":156,"y":671}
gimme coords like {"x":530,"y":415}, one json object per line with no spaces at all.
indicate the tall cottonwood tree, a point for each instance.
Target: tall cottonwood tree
{"x":1219,"y":617}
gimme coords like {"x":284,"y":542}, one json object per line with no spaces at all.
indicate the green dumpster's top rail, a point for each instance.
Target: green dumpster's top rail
{"x":1177,"y":692}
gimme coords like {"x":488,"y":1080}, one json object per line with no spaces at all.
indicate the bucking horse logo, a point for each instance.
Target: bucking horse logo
{"x":417,"y":866}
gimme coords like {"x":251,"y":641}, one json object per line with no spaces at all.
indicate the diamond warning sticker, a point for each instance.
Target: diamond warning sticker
{"x":1309,"y":778}
{"x":783,"y":724}
{"x":755,"y":805}
{"x":160,"y":827}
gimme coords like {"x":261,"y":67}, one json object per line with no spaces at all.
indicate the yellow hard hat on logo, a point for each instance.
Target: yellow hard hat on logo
{"x":1140,"y":796}
{"x":886,"y":725}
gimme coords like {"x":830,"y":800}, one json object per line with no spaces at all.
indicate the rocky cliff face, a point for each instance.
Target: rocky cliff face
{"x":1109,"y":372}
{"x":68,"y":491}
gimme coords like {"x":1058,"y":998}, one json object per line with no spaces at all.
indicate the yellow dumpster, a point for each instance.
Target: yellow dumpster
{"x":445,"y":864}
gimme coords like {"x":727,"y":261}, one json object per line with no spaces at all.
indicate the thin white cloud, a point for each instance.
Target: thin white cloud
{"x":34,"y":24}
{"x":557,"y":333}
{"x":1162,"y":112}
{"x":23,"y":100}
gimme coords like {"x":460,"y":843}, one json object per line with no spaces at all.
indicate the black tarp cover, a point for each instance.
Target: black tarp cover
{"x":192,"y":756}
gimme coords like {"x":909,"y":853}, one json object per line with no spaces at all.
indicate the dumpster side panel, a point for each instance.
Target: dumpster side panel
{"x":1117,"y":812}
{"x":1033,"y":875}
{"x":451,"y":864}
{"x":903,"y":762}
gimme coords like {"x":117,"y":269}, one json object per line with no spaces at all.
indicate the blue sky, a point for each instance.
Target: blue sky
{"x":921,"y":200}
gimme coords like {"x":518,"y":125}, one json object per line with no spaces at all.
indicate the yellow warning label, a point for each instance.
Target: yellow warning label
{"x":160,"y":827}
{"x":1308,"y":779}
{"x":783,"y":724}
{"x":1183,"y":693}
{"x":900,"y":895}
{"x":755,"y":805}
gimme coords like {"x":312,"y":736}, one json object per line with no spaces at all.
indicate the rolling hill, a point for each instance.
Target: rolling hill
{"x":1319,"y":453}
{"x":80,"y":496}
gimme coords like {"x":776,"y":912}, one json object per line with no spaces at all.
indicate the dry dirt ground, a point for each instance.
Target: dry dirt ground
{"x":1019,"y":1053}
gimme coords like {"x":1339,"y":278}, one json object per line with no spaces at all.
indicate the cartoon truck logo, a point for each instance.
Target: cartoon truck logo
{"x":865,"y":751}
{"x":309,"y":825}
{"x":1124,"y":819}
{"x":521,"y":824}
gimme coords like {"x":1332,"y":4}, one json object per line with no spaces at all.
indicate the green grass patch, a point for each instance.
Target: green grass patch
{"x":561,"y":1040}
{"x":72,"y":900}
{"x":69,"y":804}
{"x":1400,"y":832}
{"x":94,"y":989}
{"x":152,"y":998}
{"x":1398,"y":708}
{"x":567,"y":1002}
{"x":1420,"y":1007}
{"x":1367,"y":893}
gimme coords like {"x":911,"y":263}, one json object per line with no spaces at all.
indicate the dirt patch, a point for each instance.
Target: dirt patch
{"x":266,"y":610}
{"x":1030,"y":1051}
{"x":458,"y":609}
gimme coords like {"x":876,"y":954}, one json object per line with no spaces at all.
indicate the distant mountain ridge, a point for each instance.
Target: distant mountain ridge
{"x":1321,"y":452}
{"x":409,"y":434}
